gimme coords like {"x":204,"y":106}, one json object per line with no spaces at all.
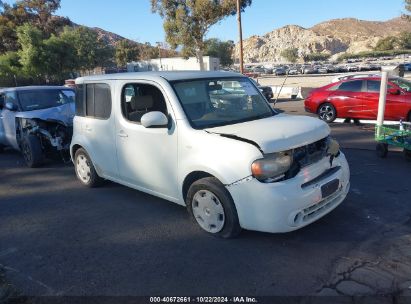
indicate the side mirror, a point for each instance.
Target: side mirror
{"x":154,"y":119}
{"x":394,"y":91}
{"x":10,"y":106}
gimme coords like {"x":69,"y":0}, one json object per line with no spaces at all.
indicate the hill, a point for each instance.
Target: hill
{"x":331,"y":37}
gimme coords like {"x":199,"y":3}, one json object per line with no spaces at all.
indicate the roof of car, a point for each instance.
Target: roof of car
{"x":31,"y":88}
{"x":168,"y":75}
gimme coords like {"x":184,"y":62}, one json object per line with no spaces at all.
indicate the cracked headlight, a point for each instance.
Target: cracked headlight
{"x":272,"y":167}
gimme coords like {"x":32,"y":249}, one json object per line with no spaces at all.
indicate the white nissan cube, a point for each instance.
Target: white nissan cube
{"x":209,"y":141}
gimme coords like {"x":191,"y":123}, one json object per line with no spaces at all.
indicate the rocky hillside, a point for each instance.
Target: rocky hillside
{"x":331,"y":37}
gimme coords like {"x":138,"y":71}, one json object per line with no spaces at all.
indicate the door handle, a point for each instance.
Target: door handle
{"x":122,"y":134}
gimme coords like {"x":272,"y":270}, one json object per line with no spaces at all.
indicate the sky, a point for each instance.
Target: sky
{"x":133,"y":18}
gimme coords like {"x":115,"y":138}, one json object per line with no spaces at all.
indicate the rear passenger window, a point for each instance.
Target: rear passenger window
{"x":139,"y":99}
{"x":102,"y":101}
{"x":97,"y":100}
{"x":351,"y":86}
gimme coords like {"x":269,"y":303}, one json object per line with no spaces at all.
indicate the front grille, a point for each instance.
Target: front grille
{"x":307,"y":155}
{"x":312,"y":153}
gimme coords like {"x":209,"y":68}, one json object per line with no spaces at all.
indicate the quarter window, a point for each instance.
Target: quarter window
{"x":139,"y":99}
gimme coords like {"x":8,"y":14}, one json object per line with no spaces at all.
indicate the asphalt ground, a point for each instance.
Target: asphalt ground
{"x":58,"y":238}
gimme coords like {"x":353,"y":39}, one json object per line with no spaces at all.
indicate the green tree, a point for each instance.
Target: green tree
{"x":290,"y":54}
{"x":59,"y":58}
{"x":386,"y":44}
{"x":126,"y":51}
{"x":404,"y":41}
{"x":408,"y":8}
{"x":186,"y":22}
{"x":220,"y":49}
{"x":9,"y":65}
{"x":38,"y":13}
{"x":316,"y":57}
{"x":32,"y":50}
{"x":90,"y":51}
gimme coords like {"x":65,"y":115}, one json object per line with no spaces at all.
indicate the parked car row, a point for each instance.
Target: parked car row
{"x":209,"y":141}
{"x":311,"y":69}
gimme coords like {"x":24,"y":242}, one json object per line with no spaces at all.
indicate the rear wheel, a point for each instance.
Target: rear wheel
{"x":382,"y":150}
{"x":327,"y":112}
{"x":1,"y":148}
{"x":212,"y":207}
{"x":85,"y":171}
{"x":32,"y":151}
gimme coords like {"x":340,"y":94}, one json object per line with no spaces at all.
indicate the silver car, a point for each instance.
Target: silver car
{"x":37,"y":121}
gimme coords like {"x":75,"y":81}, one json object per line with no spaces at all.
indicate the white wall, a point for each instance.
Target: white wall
{"x":174,"y":64}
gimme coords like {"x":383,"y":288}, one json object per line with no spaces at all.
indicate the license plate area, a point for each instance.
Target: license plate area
{"x":330,"y":188}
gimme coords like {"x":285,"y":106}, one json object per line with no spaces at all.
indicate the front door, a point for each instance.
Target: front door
{"x":347,"y":99}
{"x":8,"y":122}
{"x":147,"y":157}
{"x":371,"y":99}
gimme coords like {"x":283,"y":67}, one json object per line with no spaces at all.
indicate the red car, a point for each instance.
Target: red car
{"x":358,"y":99}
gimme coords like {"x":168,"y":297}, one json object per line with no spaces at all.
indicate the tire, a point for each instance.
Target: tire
{"x":212,"y":208}
{"x":407,"y":155}
{"x":293,"y":97}
{"x":327,"y":112}
{"x":409,"y":117}
{"x":32,"y":151}
{"x":381,"y":150}
{"x":85,"y":171}
{"x":1,"y":148}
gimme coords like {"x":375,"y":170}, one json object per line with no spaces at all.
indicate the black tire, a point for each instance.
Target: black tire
{"x":231,"y":227}
{"x":86,"y":175}
{"x":409,"y":117}
{"x":381,"y":150}
{"x":1,"y":148}
{"x":32,"y":151}
{"x":327,"y":112}
{"x":293,"y":97}
{"x":407,"y":155}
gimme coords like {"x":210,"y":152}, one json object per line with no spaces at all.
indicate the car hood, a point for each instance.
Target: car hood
{"x":278,"y":133}
{"x":63,"y":114}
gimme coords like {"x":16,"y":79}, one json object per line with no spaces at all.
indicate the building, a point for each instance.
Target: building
{"x":174,"y":64}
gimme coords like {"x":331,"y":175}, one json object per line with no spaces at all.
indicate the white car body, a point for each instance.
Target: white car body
{"x":159,"y":161}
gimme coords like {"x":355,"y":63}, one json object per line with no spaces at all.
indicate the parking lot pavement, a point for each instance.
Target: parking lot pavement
{"x":58,"y":238}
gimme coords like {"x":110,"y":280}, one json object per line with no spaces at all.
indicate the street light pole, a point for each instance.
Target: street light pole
{"x":240,"y":31}
{"x":159,"y":54}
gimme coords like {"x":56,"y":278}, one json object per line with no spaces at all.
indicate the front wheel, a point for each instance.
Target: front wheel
{"x":32,"y":151}
{"x":327,"y":112}
{"x":212,"y":207}
{"x":85,"y":171}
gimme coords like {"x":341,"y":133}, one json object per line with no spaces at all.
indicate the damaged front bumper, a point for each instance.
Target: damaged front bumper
{"x":291,"y":204}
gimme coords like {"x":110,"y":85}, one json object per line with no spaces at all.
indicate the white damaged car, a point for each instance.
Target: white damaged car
{"x":211,"y":142}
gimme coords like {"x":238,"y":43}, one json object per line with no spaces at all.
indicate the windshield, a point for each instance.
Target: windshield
{"x":44,"y":99}
{"x":402,"y":83}
{"x":218,"y":102}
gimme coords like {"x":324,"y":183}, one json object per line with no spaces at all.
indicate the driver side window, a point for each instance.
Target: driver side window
{"x":139,"y":99}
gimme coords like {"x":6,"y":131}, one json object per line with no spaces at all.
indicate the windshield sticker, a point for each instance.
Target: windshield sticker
{"x":248,"y":88}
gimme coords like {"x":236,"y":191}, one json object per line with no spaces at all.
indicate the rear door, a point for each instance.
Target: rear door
{"x":371,"y":100}
{"x":347,"y":99}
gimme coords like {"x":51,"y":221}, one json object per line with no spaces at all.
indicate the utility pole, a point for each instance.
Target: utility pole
{"x":159,"y":54}
{"x":240,"y":31}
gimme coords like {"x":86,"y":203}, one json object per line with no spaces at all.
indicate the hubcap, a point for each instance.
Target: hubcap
{"x":208,"y":211}
{"x":83,"y":168}
{"x":326,"y":113}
